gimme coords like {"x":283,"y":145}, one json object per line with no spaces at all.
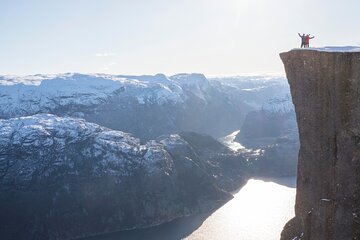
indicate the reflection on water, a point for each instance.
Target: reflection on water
{"x":258,"y":211}
{"x":230,"y":142}
{"x":285,"y":181}
{"x":175,"y":230}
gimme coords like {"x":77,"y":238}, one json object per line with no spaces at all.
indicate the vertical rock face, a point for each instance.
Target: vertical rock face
{"x":325,"y":87}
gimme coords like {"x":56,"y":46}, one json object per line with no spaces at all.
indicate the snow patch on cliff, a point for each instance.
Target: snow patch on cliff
{"x":333,"y":49}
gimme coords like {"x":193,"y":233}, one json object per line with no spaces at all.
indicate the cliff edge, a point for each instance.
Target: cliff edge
{"x":325,"y":88}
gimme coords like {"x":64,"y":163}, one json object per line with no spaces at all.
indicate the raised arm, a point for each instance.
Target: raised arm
{"x":299,"y":34}
{"x":312,"y":37}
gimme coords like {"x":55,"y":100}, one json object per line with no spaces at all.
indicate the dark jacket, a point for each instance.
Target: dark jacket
{"x":303,"y":38}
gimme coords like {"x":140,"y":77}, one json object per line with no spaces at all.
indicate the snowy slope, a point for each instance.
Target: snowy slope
{"x":333,"y":49}
{"x":51,"y":135}
{"x":146,"y":106}
{"x":253,"y":90}
{"x":280,"y":104}
{"x":42,"y":93}
{"x":86,"y":179}
{"x":253,"y":83}
{"x":195,"y":83}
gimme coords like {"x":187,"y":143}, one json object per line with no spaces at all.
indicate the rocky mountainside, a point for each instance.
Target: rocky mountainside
{"x":325,"y":87}
{"x":275,"y":119}
{"x":63,"y":178}
{"x":146,"y":106}
{"x":273,"y":129}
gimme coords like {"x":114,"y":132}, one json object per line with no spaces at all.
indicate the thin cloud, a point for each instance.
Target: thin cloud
{"x":106,"y":67}
{"x":105,"y":54}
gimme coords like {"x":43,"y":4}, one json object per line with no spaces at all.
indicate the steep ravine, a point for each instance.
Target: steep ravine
{"x":325,"y":85}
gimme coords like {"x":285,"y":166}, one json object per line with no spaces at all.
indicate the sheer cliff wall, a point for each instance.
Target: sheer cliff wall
{"x":325,"y":88}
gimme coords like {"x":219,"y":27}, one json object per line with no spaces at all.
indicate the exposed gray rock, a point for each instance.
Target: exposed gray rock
{"x":325,"y":90}
{"x":273,"y":130}
{"x":229,"y":170}
{"x":276,"y":119}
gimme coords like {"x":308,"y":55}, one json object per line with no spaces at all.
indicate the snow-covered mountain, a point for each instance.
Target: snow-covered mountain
{"x":197,"y":84}
{"x":147,"y":106}
{"x":253,"y":90}
{"x":47,"y":93}
{"x":47,"y":134}
{"x":275,"y":119}
{"x":279,"y":105}
{"x":62,"y":178}
{"x":61,"y":148}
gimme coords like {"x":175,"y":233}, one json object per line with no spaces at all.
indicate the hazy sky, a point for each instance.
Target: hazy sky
{"x":215,"y":37}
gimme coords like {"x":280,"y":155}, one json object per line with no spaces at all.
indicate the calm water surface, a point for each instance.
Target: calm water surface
{"x":258,"y":211}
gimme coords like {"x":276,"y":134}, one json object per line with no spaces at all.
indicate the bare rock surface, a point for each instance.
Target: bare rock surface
{"x":325,"y":85}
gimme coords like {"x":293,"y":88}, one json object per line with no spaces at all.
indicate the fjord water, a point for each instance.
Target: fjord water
{"x":257,"y":212}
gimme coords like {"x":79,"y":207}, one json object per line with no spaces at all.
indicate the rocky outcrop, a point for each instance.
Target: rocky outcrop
{"x":325,"y":87}
{"x":63,"y":178}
